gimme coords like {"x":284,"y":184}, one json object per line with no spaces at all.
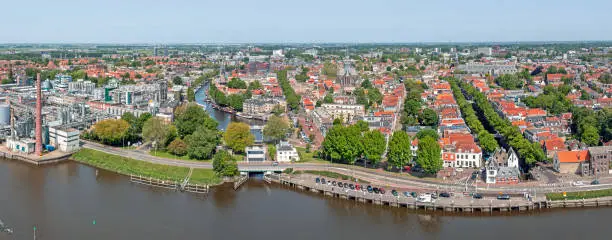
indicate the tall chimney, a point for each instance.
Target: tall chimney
{"x":38,"y":147}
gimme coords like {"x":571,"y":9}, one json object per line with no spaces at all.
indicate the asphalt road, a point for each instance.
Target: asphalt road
{"x":384,"y":178}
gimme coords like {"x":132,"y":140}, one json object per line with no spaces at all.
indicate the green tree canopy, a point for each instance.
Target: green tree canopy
{"x":111,"y":131}
{"x":399,"y":154}
{"x":238,"y":136}
{"x":224,"y":164}
{"x":155,"y":130}
{"x":190,"y":116}
{"x":276,"y":128}
{"x":202,"y":143}
{"x":428,"y":117}
{"x":177,"y":147}
{"x":373,"y":143}
{"x":237,"y":83}
{"x":428,"y":155}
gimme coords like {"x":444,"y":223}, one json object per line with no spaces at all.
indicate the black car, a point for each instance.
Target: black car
{"x":394,"y":192}
{"x":339,"y":184}
{"x":434,"y":196}
{"x":334,"y":183}
{"x":346,"y":185}
{"x":323,"y":181}
{"x":370,"y":189}
{"x":376,"y":190}
{"x":477,"y":196}
{"x":444,"y":194}
{"x":503,"y":197}
{"x":351,"y":186}
{"x":318,"y":180}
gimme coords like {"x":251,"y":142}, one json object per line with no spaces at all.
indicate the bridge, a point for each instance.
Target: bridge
{"x":261,"y":168}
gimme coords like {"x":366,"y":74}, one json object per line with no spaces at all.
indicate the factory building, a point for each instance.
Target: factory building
{"x":64,"y":139}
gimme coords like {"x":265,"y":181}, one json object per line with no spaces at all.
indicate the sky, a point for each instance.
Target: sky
{"x":312,"y":21}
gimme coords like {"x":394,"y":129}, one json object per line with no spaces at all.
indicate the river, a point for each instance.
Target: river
{"x":63,"y":201}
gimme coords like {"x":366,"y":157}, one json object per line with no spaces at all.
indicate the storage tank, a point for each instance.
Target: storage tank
{"x":5,"y":114}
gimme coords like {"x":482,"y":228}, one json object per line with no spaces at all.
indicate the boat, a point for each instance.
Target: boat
{"x":4,"y":228}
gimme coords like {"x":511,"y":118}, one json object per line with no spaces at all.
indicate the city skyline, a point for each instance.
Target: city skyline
{"x":274,"y":21}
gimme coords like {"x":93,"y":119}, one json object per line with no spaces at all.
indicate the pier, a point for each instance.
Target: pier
{"x":241,"y":180}
{"x":169,"y":184}
{"x":462,"y":204}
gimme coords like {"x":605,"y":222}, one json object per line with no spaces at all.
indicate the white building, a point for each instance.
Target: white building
{"x":487,"y":51}
{"x":286,"y":153}
{"x":255,"y":154}
{"x":64,"y":139}
{"x":23,"y":145}
{"x":346,"y":112}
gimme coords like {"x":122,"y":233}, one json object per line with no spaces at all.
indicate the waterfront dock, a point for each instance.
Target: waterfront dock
{"x":47,"y":158}
{"x":169,"y":184}
{"x":459,"y":204}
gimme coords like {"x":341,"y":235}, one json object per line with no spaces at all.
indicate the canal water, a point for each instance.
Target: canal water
{"x":221,"y":117}
{"x":64,"y":200}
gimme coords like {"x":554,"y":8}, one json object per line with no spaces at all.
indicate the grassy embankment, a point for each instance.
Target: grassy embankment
{"x":127,"y":166}
{"x":579,"y":195}
{"x":308,"y":156}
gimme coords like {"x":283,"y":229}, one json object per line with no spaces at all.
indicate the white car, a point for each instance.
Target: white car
{"x":578,"y":183}
{"x":426,"y":198}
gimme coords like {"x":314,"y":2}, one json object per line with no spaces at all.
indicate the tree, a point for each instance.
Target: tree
{"x":328,"y":98}
{"x":177,"y":147}
{"x":509,"y":81}
{"x":238,"y":136}
{"x":487,"y":141}
{"x":343,"y":143}
{"x":155,"y":130}
{"x":255,"y":85}
{"x":428,"y":117}
{"x":428,"y":155}
{"x":590,"y":136}
{"x":237,"y":83}
{"x":412,"y":107}
{"x":190,"y":94}
{"x":366,"y":84}
{"x":202,"y":143}
{"x":272,"y":152}
{"x":177,"y":80}
{"x":111,"y":131}
{"x":276,"y":128}
{"x":362,"y":125}
{"x":399,"y":149}
{"x":224,"y":164}
{"x":374,"y":96}
{"x":188,"y":117}
{"x":373,"y":143}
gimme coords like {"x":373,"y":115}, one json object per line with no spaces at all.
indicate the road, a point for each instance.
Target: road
{"x":371,"y":175}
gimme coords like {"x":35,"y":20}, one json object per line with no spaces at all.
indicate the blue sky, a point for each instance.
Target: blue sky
{"x":285,"y":21}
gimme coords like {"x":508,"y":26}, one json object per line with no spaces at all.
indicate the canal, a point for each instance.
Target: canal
{"x":221,"y":117}
{"x":64,"y":200}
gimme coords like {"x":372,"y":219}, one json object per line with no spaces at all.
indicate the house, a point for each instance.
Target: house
{"x":574,"y":162}
{"x":256,"y":153}
{"x":554,"y":145}
{"x":503,"y":167}
{"x":286,"y":153}
{"x":600,"y":158}
{"x":459,"y":150}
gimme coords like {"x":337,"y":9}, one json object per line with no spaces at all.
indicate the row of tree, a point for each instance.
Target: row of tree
{"x":412,"y":114}
{"x":553,"y":100}
{"x":592,"y":127}
{"x":529,"y":152}
{"x":486,"y":139}
{"x":293,"y":100}
{"x":345,"y":144}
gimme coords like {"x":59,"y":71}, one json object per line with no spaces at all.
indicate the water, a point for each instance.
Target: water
{"x":221,"y":117}
{"x":63,"y":200}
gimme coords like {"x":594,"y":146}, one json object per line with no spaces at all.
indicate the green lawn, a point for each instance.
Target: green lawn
{"x":580,"y":195}
{"x":129,"y":166}
{"x":328,"y":174}
{"x":308,"y":157}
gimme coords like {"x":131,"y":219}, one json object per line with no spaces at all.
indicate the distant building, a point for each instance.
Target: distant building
{"x":600,"y":158}
{"x":344,"y":111}
{"x":487,"y":51}
{"x":21,"y":145}
{"x":573,"y":162}
{"x":286,"y":153}
{"x":503,"y":167}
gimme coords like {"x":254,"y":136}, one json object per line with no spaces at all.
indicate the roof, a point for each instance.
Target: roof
{"x":572,"y":156}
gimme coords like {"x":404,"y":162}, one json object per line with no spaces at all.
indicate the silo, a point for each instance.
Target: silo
{"x":5,"y":114}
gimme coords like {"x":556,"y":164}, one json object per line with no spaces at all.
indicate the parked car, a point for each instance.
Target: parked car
{"x":317,"y":180}
{"x":323,"y":180}
{"x":503,"y":197}
{"x":407,"y":194}
{"x":595,"y":182}
{"x":275,"y":163}
{"x":357,"y":187}
{"x":381,"y":190}
{"x":346,"y":185}
{"x":578,"y":183}
{"x":477,"y":196}
{"x":351,"y":186}
{"x":376,"y":190}
{"x":426,"y":197}
{"x":334,"y":183}
{"x":339,"y":184}
{"x":394,"y":192}
{"x":445,"y":195}
{"x":370,"y":189}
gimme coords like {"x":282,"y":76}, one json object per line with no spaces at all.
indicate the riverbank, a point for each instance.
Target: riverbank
{"x":128,"y":166}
